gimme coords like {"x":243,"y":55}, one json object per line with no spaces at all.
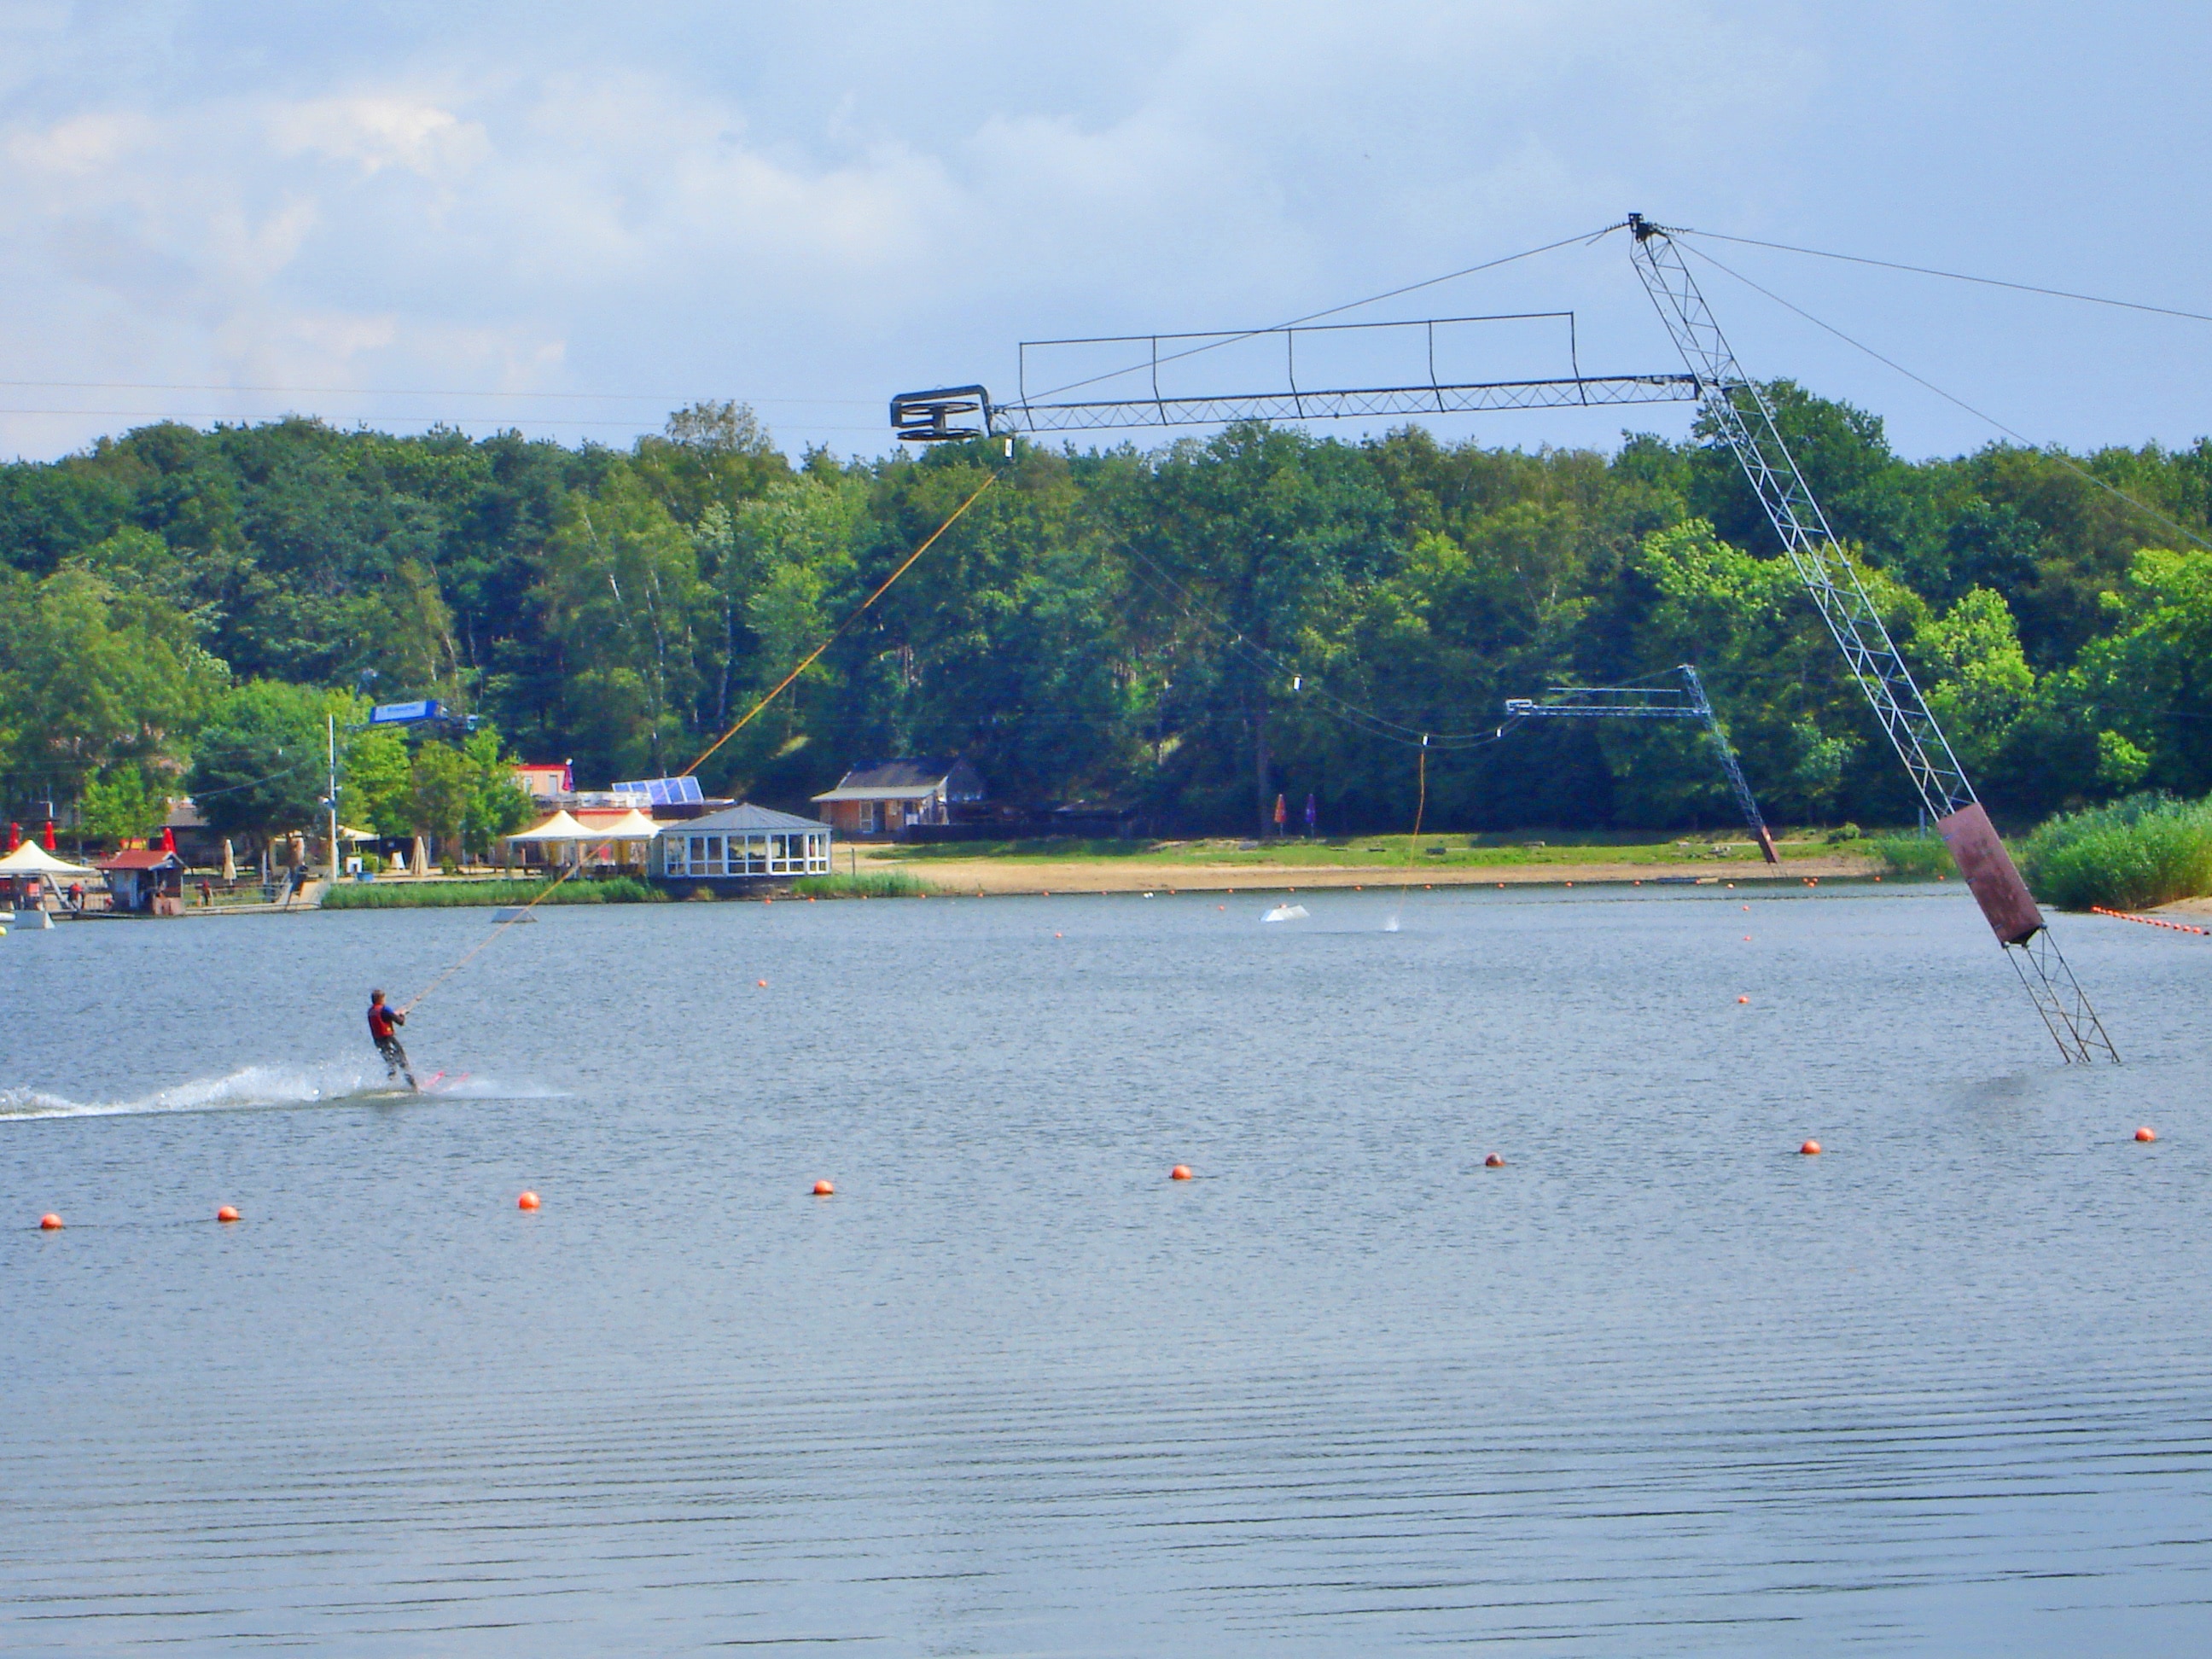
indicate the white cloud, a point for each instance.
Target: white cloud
{"x":827,"y":204}
{"x":375,"y":132}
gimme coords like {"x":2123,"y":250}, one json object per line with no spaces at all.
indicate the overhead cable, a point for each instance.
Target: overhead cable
{"x":1954,"y":275}
{"x":2017,"y":436}
{"x":1582,"y":236}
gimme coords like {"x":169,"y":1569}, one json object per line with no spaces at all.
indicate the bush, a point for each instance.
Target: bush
{"x":375,"y":896}
{"x":2147,"y":850}
{"x":1915,"y":858}
{"x":890,"y":884}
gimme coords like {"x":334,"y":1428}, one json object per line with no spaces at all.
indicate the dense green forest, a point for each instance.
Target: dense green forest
{"x":1181,"y":628}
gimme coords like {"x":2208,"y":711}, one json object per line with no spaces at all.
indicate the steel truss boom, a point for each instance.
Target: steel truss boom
{"x":947,"y":413}
{"x":1653,"y":702}
{"x":1741,"y":412}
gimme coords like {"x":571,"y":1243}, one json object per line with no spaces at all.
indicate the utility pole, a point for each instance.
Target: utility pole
{"x":330,"y":722}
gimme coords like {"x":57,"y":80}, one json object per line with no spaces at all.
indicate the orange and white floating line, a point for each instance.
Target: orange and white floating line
{"x":2149,"y":921}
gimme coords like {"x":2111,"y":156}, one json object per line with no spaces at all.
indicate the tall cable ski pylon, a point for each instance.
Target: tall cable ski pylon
{"x":1741,"y":412}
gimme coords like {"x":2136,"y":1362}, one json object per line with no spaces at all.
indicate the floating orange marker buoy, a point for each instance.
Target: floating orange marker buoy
{"x":1495,"y":1161}
{"x":2146,"y":1134}
{"x":228,"y":1212}
{"x":1877,"y":877}
{"x":528,"y":1201}
{"x":1743,"y":999}
{"x":762,"y":983}
{"x":1059,"y":936}
{"x":1181,"y":1172}
{"x":1810,"y":1149}
{"x":48,"y":1221}
{"x":1571,"y":884}
{"x":1747,"y":907}
{"x":1747,"y":939}
{"x":823,"y":1189}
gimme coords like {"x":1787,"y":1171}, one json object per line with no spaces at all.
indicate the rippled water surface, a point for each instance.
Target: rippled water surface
{"x":1659,"y":1385}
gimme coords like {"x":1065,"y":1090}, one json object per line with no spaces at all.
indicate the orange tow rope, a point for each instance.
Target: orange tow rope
{"x":750,"y":715}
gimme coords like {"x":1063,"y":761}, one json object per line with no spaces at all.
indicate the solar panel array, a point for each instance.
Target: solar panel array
{"x":664,"y":792}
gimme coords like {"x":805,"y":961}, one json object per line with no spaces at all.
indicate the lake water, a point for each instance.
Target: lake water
{"x":1659,"y":1385}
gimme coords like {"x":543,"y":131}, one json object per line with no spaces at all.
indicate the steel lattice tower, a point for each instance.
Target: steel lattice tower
{"x":1739,"y":410}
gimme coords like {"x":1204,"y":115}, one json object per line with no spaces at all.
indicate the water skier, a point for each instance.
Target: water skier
{"x":383,"y":1023}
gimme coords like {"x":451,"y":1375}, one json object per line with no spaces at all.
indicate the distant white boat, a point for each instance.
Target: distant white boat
{"x":1286,"y":913}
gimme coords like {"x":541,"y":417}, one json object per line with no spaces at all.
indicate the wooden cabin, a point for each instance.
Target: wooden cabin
{"x":149,"y":882}
{"x":881,"y":800}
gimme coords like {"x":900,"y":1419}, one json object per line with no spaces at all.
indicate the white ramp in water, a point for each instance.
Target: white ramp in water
{"x":1286,"y":913}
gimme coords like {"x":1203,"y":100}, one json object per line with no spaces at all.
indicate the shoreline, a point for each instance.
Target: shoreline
{"x":998,"y":877}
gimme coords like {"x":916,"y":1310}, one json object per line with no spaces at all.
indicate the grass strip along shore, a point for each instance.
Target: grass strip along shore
{"x":440,"y":895}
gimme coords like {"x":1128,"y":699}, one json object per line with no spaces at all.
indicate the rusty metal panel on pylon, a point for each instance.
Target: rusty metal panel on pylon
{"x":1989,"y":869}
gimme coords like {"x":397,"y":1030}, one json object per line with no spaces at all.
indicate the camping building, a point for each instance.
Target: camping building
{"x":743,"y":845}
{"x":879,"y":802}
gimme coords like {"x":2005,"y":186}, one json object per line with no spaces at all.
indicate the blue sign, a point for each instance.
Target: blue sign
{"x":403,"y":713}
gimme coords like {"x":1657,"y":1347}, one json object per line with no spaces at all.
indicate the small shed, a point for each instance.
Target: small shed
{"x":149,"y":883}
{"x":879,"y":801}
{"x":745,"y":846}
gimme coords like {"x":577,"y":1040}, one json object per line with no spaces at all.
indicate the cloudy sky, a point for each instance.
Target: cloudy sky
{"x":571,"y":219}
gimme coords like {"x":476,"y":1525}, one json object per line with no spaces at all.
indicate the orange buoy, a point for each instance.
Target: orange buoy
{"x":823,"y":1189}
{"x":528,"y":1201}
{"x":49,"y":1222}
{"x":1181,"y":1172}
{"x":1747,"y":939}
{"x":762,"y":983}
{"x":1495,"y":1161}
{"x":1743,"y":999}
{"x":1059,"y":935}
{"x":1810,"y":1149}
{"x":228,"y":1212}
{"x":2146,"y":1134}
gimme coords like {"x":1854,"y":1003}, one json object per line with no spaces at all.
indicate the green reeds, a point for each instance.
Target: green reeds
{"x":1914,"y":857}
{"x":877,"y":884}
{"x":440,"y":895}
{"x":2147,"y":850}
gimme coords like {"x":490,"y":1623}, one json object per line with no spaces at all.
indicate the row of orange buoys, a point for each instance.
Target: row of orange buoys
{"x":51,"y":1222}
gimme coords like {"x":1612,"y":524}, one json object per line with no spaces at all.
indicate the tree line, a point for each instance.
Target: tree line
{"x":1189,"y":630}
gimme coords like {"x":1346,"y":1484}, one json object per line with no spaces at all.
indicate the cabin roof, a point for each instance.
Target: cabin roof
{"x":745,"y":816}
{"x":140,"y":858}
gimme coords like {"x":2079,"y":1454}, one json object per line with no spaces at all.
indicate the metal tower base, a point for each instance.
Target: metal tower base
{"x":2073,"y":1023}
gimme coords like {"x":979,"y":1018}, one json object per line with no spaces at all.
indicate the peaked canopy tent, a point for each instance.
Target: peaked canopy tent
{"x":33,"y":860}
{"x":562,"y":838}
{"x":30,"y":868}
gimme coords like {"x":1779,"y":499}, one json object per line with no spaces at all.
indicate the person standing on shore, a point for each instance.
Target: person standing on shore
{"x":384,"y":1024}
